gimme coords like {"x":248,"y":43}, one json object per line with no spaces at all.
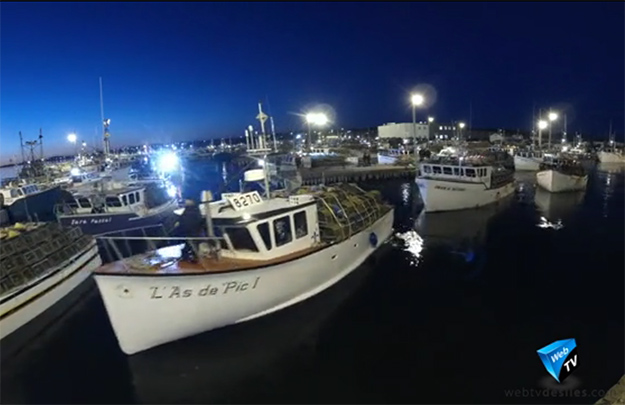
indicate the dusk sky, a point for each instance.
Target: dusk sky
{"x":182,"y":71}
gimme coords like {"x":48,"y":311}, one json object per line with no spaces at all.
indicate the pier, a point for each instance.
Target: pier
{"x":353,"y":174}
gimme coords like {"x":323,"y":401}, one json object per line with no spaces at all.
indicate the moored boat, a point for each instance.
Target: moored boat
{"x":450,"y":184}
{"x":42,"y":267}
{"x":529,"y":160}
{"x":611,"y":155}
{"x":560,"y":175}
{"x":268,"y":254}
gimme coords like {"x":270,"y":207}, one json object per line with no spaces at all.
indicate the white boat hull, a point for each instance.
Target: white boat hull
{"x":386,"y":160}
{"x":440,"y":195}
{"x":23,"y":307}
{"x":610,"y":157}
{"x":524,"y":163}
{"x":556,"y":182}
{"x":147,"y":311}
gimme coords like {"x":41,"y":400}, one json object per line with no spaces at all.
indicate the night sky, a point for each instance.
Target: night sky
{"x":193,"y":71}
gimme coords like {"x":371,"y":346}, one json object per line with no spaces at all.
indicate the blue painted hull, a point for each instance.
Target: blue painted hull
{"x":36,"y":207}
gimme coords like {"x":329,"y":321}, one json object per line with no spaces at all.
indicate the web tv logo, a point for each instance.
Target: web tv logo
{"x":559,"y":358}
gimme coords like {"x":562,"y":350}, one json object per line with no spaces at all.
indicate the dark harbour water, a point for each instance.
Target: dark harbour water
{"x":452,"y":310}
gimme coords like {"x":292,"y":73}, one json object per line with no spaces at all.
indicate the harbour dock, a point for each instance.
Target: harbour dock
{"x":354,"y":174}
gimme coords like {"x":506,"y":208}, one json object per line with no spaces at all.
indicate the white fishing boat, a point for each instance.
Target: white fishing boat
{"x":393,"y":156}
{"x":267,"y":254}
{"x":611,"y":155}
{"x":450,"y":184}
{"x":560,"y":175}
{"x":42,"y":266}
{"x":529,"y":160}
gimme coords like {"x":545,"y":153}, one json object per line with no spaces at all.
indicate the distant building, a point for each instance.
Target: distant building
{"x":444,"y":131}
{"x":403,"y":130}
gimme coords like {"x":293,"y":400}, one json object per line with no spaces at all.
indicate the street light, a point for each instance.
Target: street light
{"x":416,"y":100}
{"x":460,"y":127}
{"x":542,"y":124}
{"x":552,"y":117}
{"x":430,"y":119}
{"x":318,"y":119}
{"x":73,"y":138}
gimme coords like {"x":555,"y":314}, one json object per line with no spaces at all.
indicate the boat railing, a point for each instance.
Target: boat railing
{"x":117,"y":248}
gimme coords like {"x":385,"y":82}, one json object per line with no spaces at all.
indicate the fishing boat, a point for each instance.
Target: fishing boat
{"x":394,"y":156}
{"x":116,"y":207}
{"x":559,"y":174}
{"x":611,"y":154}
{"x":27,"y":202}
{"x":266,"y":254}
{"x":42,"y":266}
{"x":462,"y":182}
{"x":529,"y":160}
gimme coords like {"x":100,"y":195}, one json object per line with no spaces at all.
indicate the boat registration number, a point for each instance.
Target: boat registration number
{"x":242,"y":201}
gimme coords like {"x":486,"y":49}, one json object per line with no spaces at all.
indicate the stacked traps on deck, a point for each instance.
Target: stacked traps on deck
{"x":27,"y":251}
{"x":345,"y":209}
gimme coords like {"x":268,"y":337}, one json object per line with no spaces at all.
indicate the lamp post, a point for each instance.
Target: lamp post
{"x":552,"y":117}
{"x":461,"y":127}
{"x":318,"y":119}
{"x":542,"y":124}
{"x":416,"y":100}
{"x":73,"y":138}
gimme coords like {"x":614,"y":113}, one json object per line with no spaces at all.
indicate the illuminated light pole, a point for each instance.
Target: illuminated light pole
{"x":542,"y":124}
{"x":318,"y":119}
{"x":460,"y":128}
{"x":416,"y":100}
{"x":552,"y":117}
{"x":73,"y":138}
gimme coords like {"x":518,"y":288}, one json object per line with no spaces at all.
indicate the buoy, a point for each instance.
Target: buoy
{"x":373,"y":239}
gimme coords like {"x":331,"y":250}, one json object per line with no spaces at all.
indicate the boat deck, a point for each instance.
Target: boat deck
{"x":166,"y":261}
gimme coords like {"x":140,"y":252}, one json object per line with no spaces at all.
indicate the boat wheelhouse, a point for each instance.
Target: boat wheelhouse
{"x":456,"y":184}
{"x":529,"y":160}
{"x":394,"y":156}
{"x":266,"y":255}
{"x":29,"y":202}
{"x":118,"y":209}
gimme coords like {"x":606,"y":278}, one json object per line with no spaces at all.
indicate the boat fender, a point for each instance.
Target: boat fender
{"x":373,"y":239}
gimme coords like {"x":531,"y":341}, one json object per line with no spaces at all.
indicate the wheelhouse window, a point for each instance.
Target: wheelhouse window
{"x":470,"y":172}
{"x":301,"y":224}
{"x":456,"y":171}
{"x":124,"y":199}
{"x":138,"y":196}
{"x":131,"y":198}
{"x":427,"y":169}
{"x":282,"y":230}
{"x":436,"y":169}
{"x":241,"y":239}
{"x":265,"y":234}
{"x":84,"y":202}
{"x":14,"y":193}
{"x":113,"y":202}
{"x":447,"y":170}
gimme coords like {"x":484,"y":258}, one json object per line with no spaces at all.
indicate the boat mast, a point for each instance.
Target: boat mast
{"x":22,"y":148}
{"x":273,"y":128}
{"x":564,"y":131}
{"x":104,"y":124}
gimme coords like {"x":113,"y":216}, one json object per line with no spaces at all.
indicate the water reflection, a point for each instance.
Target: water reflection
{"x":242,"y":363}
{"x":556,"y":207}
{"x":405,"y":193}
{"x":461,"y":229}
{"x":608,"y":176}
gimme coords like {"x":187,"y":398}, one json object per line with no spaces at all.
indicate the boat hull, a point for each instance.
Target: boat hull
{"x":36,"y":207}
{"x":99,"y":224}
{"x":26,"y":314}
{"x":386,"y":160}
{"x":610,"y":157}
{"x":147,"y":311}
{"x":526,"y":164}
{"x":556,"y":182}
{"x":440,"y":195}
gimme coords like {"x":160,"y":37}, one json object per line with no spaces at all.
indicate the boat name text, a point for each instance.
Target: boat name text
{"x":228,"y":287}
{"x":449,"y":188}
{"x":93,"y":221}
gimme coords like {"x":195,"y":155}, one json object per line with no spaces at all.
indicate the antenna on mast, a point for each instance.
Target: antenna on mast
{"x":22,"y":148}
